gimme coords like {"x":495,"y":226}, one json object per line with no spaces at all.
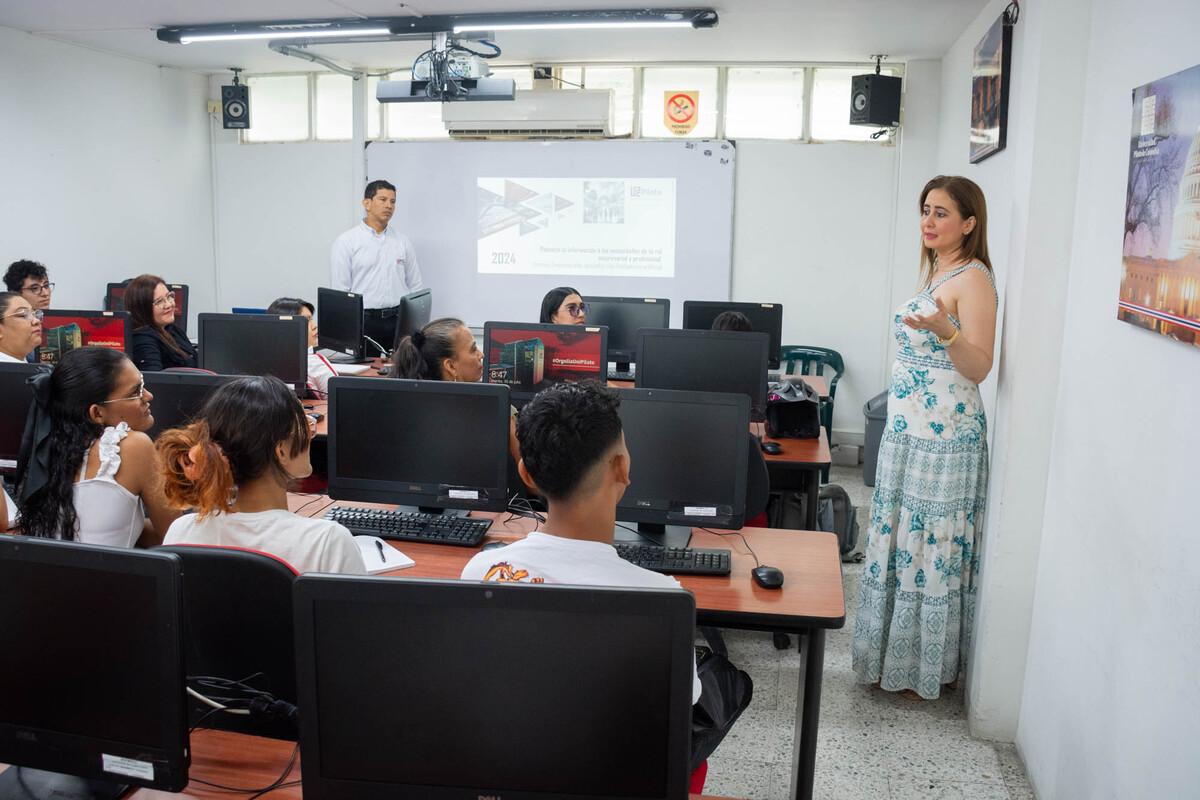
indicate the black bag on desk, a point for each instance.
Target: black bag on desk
{"x":793,"y":410}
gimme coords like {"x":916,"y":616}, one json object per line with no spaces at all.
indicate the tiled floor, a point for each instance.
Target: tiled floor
{"x":871,"y":744}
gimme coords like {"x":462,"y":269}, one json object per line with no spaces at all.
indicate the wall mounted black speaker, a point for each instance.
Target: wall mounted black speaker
{"x":235,"y":106}
{"x":875,"y":100}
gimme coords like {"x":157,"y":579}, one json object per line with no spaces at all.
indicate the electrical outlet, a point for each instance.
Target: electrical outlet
{"x":214,"y":106}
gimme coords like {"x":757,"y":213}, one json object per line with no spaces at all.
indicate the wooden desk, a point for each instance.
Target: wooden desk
{"x":810,"y":601}
{"x":235,"y":759}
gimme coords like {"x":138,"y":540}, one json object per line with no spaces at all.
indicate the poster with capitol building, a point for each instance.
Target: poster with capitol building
{"x":1160,"y":288}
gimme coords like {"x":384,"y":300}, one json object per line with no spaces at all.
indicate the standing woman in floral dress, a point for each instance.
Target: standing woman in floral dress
{"x":916,"y":602}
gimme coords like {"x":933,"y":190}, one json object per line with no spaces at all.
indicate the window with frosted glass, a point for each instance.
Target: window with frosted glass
{"x":621,"y":81}
{"x":831,"y":105}
{"x":659,"y":82}
{"x":765,"y":103}
{"x":335,"y":117}
{"x":278,"y":108}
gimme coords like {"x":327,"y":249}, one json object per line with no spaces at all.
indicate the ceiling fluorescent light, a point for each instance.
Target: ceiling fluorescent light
{"x":563,"y":26}
{"x":286,"y":34}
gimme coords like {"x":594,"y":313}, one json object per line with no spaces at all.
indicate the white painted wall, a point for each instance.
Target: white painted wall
{"x":1111,"y":704}
{"x":104,"y":167}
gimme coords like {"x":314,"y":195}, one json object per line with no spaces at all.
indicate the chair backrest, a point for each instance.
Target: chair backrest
{"x":813,"y":361}
{"x":237,"y":607}
{"x":190,"y":370}
{"x":758,"y":483}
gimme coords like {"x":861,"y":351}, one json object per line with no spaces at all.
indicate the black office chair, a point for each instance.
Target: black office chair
{"x":237,"y":607}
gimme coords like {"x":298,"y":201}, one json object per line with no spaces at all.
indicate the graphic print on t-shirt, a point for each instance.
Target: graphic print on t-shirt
{"x":504,"y":573}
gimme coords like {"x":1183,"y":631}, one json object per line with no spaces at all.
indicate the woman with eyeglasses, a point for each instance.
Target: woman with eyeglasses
{"x":563,"y":306}
{"x":87,"y":471}
{"x":158,"y":343}
{"x":20,"y":328}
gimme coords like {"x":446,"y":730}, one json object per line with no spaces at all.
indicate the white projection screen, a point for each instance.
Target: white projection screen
{"x":497,"y":224}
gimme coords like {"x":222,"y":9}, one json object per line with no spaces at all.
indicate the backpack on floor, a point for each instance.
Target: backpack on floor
{"x":835,"y":514}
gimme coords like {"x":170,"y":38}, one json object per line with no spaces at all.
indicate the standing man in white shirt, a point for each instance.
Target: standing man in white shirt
{"x":377,"y":261}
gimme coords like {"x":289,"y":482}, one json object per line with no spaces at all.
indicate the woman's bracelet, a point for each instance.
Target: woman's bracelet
{"x":950,"y":341}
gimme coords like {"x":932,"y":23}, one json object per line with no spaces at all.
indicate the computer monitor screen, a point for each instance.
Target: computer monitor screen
{"x":687,"y":453}
{"x":528,"y":358}
{"x":66,"y":330}
{"x":340,"y":322}
{"x":432,"y":444}
{"x":623,"y":316}
{"x":415,"y":310}
{"x":768,"y":317}
{"x":15,"y":397}
{"x":256,"y":344}
{"x":178,"y":397}
{"x":114,"y":300}
{"x":705,"y":361}
{"x":93,"y":664}
{"x":540,"y":716}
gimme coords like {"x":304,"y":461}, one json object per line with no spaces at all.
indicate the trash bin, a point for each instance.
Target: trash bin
{"x":875,"y":412}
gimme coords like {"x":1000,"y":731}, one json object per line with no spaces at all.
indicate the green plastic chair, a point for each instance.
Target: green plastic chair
{"x":813,"y":361}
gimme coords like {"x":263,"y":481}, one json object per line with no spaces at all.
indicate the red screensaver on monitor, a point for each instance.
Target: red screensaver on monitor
{"x":530,"y":360}
{"x":63,"y":331}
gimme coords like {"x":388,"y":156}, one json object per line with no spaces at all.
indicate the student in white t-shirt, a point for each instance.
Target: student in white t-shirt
{"x":319,"y":368}
{"x":234,"y":464}
{"x":573,"y":454}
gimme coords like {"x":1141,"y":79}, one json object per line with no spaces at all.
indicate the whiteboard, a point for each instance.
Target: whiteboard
{"x":439,"y":186}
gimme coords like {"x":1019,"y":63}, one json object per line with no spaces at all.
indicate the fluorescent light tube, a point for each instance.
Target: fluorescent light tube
{"x":562,"y":26}
{"x":288,"y":34}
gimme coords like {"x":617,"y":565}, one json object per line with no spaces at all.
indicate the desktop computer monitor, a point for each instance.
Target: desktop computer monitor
{"x":688,"y":454}
{"x":705,"y":361}
{"x":15,"y":397}
{"x":530,"y":357}
{"x":432,"y":444}
{"x":93,"y":670}
{"x":418,"y":688}
{"x":178,"y":397}
{"x":698,"y":315}
{"x":114,"y":300}
{"x":623,"y":316}
{"x":415,"y":310}
{"x":340,"y":322}
{"x":256,"y":344}
{"x":64,"y":330}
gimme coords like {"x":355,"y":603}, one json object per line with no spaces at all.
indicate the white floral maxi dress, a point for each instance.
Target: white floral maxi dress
{"x":916,"y":601}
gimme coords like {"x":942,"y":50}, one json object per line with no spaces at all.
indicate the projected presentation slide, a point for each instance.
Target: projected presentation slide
{"x":529,"y":360}
{"x":577,"y":226}
{"x":62,"y":332}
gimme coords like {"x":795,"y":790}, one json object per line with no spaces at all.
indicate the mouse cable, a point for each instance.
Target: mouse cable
{"x":738,"y":534}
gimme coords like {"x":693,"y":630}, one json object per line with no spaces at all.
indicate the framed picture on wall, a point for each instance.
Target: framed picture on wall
{"x":1160,"y":283}
{"x":989,"y":89}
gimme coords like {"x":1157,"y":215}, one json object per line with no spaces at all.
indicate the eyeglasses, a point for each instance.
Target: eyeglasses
{"x":39,"y":288}
{"x":578,"y":309}
{"x":138,"y":394}
{"x":28,"y":314}
{"x":167,"y":299}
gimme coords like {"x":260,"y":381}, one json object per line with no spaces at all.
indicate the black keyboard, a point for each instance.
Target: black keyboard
{"x":675,"y":560}
{"x":416,"y":527}
{"x":618,"y":375}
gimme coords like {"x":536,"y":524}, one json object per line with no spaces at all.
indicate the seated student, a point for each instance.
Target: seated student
{"x":319,"y":368}
{"x":89,"y":472}
{"x":158,"y":343}
{"x":30,"y":280}
{"x":563,"y":306}
{"x":732,"y":321}
{"x":20,"y":328}
{"x":233,"y":465}
{"x":573,"y":453}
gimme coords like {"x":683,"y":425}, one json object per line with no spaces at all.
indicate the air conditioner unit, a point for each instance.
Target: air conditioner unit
{"x":559,"y":113}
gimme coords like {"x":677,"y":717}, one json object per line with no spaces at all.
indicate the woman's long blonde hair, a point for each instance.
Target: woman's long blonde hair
{"x":968,"y":197}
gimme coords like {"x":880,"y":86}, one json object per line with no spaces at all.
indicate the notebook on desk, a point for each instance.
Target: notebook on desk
{"x":350,"y":369}
{"x":379,"y":556}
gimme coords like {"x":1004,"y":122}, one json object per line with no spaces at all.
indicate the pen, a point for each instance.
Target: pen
{"x":382,"y":557}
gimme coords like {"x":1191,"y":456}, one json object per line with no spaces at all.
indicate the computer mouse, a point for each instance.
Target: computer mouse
{"x":773,"y":448}
{"x":494,"y":545}
{"x":768,"y":577}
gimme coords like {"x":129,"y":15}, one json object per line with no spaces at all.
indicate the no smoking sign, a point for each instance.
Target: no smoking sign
{"x":679,"y":111}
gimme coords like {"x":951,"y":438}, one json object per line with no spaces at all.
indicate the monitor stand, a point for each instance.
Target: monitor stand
{"x":448,"y":513}
{"x":36,"y":784}
{"x":654,"y":534}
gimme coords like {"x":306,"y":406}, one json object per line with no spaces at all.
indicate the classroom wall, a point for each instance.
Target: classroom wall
{"x":1111,"y":700}
{"x":105,"y":169}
